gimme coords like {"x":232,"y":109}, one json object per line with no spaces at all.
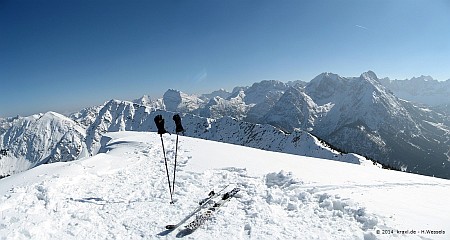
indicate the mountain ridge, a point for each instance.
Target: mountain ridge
{"x":116,"y":115}
{"x":355,"y":114}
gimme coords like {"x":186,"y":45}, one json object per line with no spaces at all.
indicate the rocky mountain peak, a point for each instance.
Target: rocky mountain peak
{"x":258,"y":92}
{"x":325,"y":86}
{"x":369,"y":75}
{"x":175,"y":100}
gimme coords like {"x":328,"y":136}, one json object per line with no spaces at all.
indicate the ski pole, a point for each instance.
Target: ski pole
{"x":159,"y":121}
{"x":167,"y":169}
{"x":178,"y":128}
{"x":175,"y":166}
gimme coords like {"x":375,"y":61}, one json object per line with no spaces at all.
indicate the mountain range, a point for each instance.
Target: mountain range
{"x":50,"y":137}
{"x":353,"y":114}
{"x":421,"y":90}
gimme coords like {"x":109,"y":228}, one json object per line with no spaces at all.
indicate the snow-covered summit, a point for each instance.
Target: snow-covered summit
{"x":263,"y":90}
{"x":324,"y":86}
{"x":295,"y":109}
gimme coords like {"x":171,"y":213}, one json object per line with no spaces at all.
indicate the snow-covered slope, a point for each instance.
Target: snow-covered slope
{"x":122,"y":193}
{"x":38,"y":139}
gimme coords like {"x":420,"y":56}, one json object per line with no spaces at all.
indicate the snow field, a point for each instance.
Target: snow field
{"x":122,"y":193}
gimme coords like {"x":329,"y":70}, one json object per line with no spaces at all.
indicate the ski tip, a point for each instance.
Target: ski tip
{"x":170,"y":226}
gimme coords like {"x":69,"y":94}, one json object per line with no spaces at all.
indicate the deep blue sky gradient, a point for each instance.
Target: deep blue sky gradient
{"x":65,"y":55}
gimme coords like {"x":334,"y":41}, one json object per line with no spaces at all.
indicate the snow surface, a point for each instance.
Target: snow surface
{"x":122,"y":193}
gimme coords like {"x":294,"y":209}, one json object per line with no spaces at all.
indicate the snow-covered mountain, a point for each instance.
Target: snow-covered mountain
{"x":261,"y":97}
{"x":354,"y":114}
{"x":293,"y":110}
{"x":122,"y":193}
{"x":422,"y":90}
{"x":244,"y":103}
{"x":126,"y":116}
{"x":52,"y":137}
{"x":218,"y":107}
{"x":444,"y":109}
{"x":39,"y":139}
{"x":177,"y":101}
{"x":149,"y":102}
{"x":366,"y":118}
{"x":222,"y":93}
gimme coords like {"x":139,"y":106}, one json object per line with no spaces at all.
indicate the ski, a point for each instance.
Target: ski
{"x":204,"y":216}
{"x":202,"y":204}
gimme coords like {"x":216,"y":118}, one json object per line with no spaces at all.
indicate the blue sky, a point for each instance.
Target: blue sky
{"x":66,"y":55}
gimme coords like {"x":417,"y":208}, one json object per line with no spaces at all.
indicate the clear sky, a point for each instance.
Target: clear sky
{"x":64,"y":55}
